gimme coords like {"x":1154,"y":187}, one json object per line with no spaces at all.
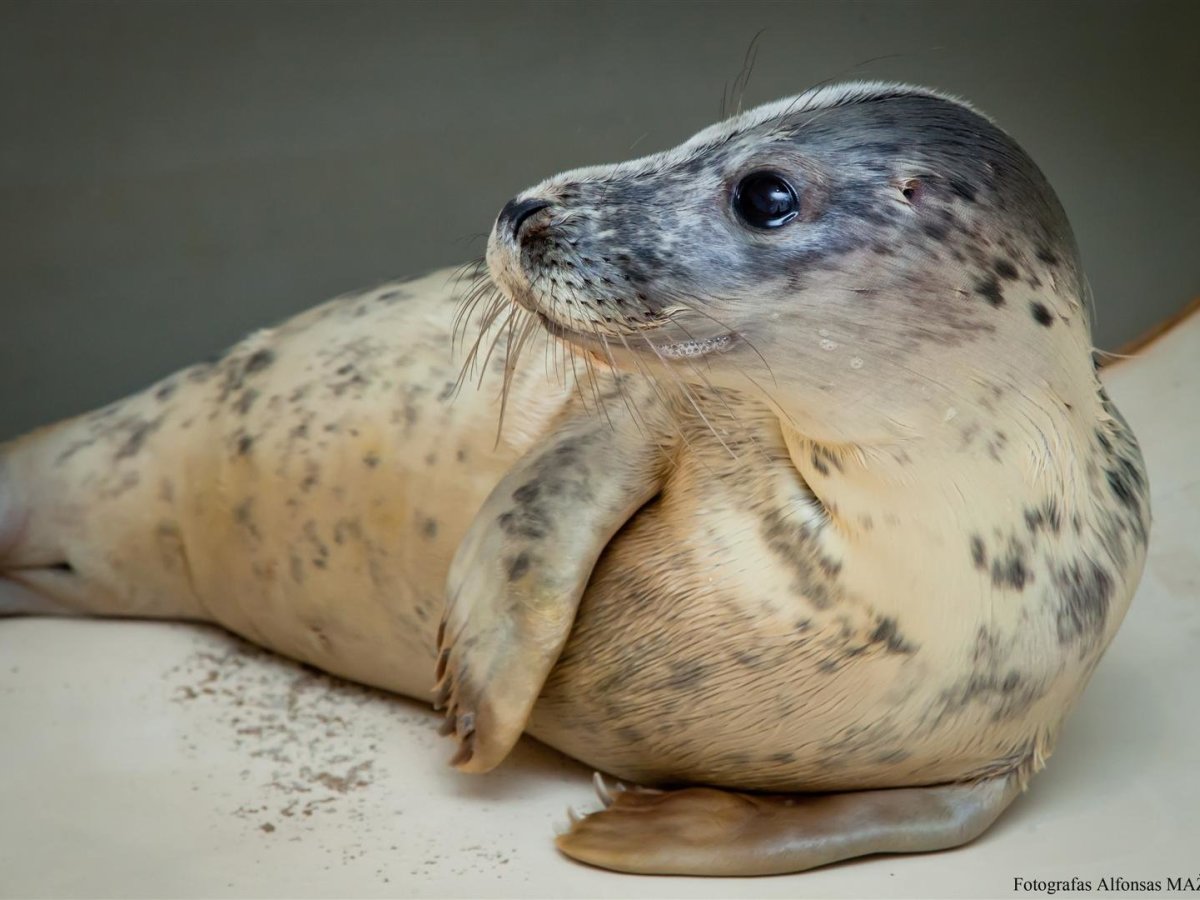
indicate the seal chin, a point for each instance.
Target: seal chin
{"x":645,"y":344}
{"x":694,"y":349}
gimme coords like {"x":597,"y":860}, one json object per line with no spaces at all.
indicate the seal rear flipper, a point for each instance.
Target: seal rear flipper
{"x":704,"y":831}
{"x":521,"y":570}
{"x":19,"y":599}
{"x":30,"y":556}
{"x":82,"y":516}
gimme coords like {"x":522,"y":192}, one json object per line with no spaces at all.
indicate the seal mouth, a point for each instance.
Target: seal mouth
{"x":689,"y":349}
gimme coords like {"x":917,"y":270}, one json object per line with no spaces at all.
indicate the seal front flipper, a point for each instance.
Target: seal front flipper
{"x":521,"y":569}
{"x":703,"y":831}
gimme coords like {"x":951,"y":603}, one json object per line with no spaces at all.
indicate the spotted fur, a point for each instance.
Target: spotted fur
{"x":895,"y":520}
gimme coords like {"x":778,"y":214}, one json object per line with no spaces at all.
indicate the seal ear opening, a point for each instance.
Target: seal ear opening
{"x":912,"y":190}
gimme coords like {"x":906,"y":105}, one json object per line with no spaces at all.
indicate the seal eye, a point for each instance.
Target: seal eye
{"x":765,"y":200}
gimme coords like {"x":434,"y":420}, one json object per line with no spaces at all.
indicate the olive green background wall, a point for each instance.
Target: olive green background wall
{"x":175,"y":174}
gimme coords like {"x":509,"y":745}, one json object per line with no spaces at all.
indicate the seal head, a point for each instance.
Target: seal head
{"x":844,"y":238}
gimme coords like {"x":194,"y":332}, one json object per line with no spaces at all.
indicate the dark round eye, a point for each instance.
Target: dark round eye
{"x":765,"y":200}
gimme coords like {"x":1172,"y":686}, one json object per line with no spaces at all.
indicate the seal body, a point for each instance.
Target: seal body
{"x":305,"y":490}
{"x":308,"y":490}
{"x":855,"y":510}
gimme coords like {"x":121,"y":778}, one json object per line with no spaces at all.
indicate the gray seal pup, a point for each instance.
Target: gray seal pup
{"x":807,"y":511}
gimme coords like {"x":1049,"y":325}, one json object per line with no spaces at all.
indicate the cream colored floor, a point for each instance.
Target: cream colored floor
{"x":143,"y":759}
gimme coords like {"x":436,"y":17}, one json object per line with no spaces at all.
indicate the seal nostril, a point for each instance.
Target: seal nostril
{"x":516,"y":212}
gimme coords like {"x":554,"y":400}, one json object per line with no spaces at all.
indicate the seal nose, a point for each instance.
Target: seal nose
{"x":516,"y":212}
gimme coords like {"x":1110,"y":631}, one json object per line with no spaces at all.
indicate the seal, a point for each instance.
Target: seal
{"x":806,"y":510}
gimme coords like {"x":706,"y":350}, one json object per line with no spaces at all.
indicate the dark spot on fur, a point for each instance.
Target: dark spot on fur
{"x":243,"y":514}
{"x":317,"y":632}
{"x":989,"y":289}
{"x":1005,"y":269}
{"x":1084,"y":591}
{"x":630,"y":735}
{"x":320,"y":556}
{"x":527,"y":493}
{"x":259,"y":360}
{"x":1046,"y":255}
{"x":245,"y":401}
{"x":818,"y":464}
{"x":978,"y":554}
{"x":996,"y":443}
{"x":139,"y":430}
{"x":685,"y":674}
{"x":1126,"y":483}
{"x":371,"y":460}
{"x":562,"y":474}
{"x":526,"y":522}
{"x":750,"y":659}
{"x":164,"y":393}
{"x":1041,"y":314}
{"x":831,"y":567}
{"x":518,"y":565}
{"x":312,"y":475}
{"x":1043,"y":517}
{"x":1010,"y":571}
{"x":796,"y":544}
{"x":429,"y":528}
{"x":887,"y":633}
{"x":1053,"y":515}
{"x":244,"y":444}
{"x":992,"y":683}
{"x":825,"y":459}
{"x":351,"y":379}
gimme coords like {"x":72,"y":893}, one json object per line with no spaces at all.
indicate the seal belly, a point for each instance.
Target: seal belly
{"x":723,"y":641}
{"x":703,"y":667}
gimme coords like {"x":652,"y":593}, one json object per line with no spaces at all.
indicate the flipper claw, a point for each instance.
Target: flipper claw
{"x":601,"y":789}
